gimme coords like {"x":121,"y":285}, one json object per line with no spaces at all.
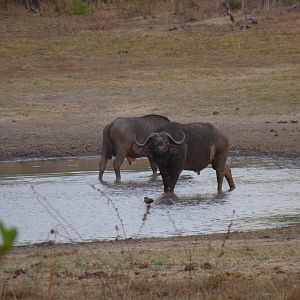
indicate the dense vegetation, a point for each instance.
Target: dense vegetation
{"x":84,"y":7}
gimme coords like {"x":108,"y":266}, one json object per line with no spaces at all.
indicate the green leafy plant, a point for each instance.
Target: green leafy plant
{"x":72,"y":7}
{"x":80,"y":8}
{"x":8,"y":236}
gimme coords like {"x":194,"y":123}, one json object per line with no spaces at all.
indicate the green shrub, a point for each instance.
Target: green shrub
{"x":80,"y":8}
{"x":72,"y":7}
{"x":7,"y":237}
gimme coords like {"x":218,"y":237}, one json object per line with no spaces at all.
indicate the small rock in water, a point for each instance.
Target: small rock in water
{"x":148,"y":200}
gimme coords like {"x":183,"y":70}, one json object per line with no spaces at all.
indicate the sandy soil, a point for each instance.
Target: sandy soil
{"x":63,"y":80}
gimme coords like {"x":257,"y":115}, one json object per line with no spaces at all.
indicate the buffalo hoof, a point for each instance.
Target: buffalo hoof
{"x":154,"y":176}
{"x":169,"y":193}
{"x":231,"y":189}
{"x":100,"y":175}
{"x":101,"y":180}
{"x":221,"y":194}
{"x":118,"y":180}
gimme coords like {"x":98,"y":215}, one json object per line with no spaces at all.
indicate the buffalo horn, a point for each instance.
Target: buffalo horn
{"x":141,"y":145}
{"x":172,"y":139}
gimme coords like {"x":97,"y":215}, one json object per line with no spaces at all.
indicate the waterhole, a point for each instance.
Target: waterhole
{"x":62,"y":200}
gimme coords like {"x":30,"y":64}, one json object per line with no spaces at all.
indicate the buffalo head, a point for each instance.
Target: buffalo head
{"x":160,"y":143}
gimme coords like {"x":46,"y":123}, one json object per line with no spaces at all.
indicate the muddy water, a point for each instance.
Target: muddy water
{"x":62,"y":200}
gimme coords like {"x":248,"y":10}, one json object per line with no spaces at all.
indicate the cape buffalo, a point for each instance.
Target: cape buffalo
{"x":118,"y":140}
{"x":175,"y":147}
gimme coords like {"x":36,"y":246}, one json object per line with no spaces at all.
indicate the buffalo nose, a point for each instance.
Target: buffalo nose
{"x":162,"y":149}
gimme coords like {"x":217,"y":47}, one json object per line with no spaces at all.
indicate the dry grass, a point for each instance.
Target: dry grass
{"x":180,"y":268}
{"x":74,"y":71}
{"x":266,"y":62}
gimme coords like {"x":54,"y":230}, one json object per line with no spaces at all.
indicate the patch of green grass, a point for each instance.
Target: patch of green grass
{"x":73,"y":7}
{"x":265,"y":257}
{"x":10,"y":270}
{"x":163,"y":261}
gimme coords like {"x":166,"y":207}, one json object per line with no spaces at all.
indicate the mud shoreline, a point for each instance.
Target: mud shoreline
{"x":47,"y":153}
{"x":291,"y":232}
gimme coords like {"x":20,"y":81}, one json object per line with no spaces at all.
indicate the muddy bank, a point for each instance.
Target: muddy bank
{"x":271,"y":236}
{"x":268,"y":135}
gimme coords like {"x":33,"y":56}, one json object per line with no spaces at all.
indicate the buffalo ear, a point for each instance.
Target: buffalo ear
{"x":173,"y":149}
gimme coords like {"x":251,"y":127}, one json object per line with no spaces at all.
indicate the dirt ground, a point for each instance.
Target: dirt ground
{"x":254,"y":265}
{"x":63,"y":78}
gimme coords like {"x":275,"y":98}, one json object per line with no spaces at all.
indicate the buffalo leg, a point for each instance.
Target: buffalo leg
{"x":229,"y":178}
{"x":153,"y":166}
{"x":102,"y":166}
{"x":220,"y":176}
{"x":117,"y":165}
{"x":166,"y":181}
{"x":173,"y":181}
{"x":219,"y":165}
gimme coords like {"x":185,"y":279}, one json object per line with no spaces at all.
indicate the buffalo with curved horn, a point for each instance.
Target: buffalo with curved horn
{"x":175,"y":147}
{"x":162,"y":135}
{"x":118,"y":140}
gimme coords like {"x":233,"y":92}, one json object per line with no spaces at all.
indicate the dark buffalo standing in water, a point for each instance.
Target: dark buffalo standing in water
{"x":175,"y":147}
{"x":118,"y":140}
